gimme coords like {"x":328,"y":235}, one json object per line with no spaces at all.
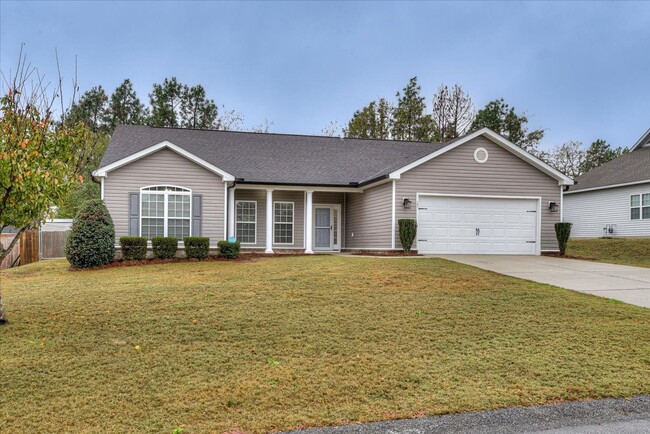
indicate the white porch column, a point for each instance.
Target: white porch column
{"x":269,"y":221}
{"x":309,"y":222}
{"x":231,"y":212}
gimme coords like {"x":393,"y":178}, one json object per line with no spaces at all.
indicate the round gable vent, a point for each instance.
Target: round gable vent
{"x":481,"y":155}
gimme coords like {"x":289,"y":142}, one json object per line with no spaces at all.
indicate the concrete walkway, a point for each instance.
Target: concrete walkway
{"x":621,"y":416}
{"x":620,"y":282}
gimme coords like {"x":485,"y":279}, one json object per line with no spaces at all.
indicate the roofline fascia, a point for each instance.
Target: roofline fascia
{"x":242,"y":185}
{"x":605,"y":187}
{"x":642,"y":141}
{"x":102,"y":172}
{"x":499,"y":140}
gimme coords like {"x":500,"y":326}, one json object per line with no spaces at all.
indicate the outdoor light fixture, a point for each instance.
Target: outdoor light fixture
{"x":407,"y":203}
{"x":553,"y":206}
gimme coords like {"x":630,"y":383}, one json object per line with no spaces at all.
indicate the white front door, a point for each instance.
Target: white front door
{"x":475,"y":225}
{"x":327,"y":226}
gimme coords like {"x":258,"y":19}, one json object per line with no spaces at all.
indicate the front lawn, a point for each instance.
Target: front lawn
{"x":300,"y":341}
{"x":625,"y":251}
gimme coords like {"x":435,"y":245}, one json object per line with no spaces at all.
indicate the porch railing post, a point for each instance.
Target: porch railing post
{"x":269,"y":221}
{"x":309,"y":222}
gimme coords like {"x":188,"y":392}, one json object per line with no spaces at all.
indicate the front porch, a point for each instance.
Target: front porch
{"x":287,"y":218}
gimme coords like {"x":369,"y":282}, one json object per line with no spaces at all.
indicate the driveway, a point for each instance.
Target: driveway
{"x":620,"y":282}
{"x":603,"y":416}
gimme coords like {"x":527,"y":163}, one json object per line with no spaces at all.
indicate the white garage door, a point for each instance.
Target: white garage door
{"x":477,"y":225}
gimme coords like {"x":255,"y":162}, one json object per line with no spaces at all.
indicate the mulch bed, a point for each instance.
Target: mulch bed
{"x":245,"y":257}
{"x":374,"y":253}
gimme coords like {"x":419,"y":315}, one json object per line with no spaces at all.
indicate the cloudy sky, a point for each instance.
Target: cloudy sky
{"x":579,"y":70}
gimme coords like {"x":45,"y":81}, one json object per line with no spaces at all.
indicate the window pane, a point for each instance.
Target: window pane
{"x":179,"y":205}
{"x":179,"y":228}
{"x":153,"y":205}
{"x":335,"y":225}
{"x":153,"y":228}
{"x":646,"y":199}
{"x":635,"y":213}
{"x":634,"y":200}
{"x":646,"y":212}
{"x":283,"y":233}
{"x":283,"y":212}
{"x":245,"y":212}
{"x":245,"y":232}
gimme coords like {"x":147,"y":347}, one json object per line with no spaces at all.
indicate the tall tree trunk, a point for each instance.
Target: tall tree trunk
{"x":3,"y":254}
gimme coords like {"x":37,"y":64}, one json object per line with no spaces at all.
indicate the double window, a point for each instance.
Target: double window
{"x":246,"y":221}
{"x":640,"y":206}
{"x":166,"y":211}
{"x":283,"y":222}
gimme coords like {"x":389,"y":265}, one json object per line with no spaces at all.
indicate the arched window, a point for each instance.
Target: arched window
{"x":166,"y":211}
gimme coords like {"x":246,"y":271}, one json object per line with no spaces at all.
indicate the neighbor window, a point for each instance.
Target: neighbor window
{"x":166,"y":212}
{"x":640,"y":206}
{"x":283,"y":222}
{"x":246,"y":221}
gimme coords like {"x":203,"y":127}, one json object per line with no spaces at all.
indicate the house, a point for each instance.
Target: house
{"x":274,"y":192}
{"x":613,"y":199}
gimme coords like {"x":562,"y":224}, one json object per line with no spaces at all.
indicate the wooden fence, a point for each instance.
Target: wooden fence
{"x":53,"y":244}
{"x":32,"y":246}
{"x":10,"y":259}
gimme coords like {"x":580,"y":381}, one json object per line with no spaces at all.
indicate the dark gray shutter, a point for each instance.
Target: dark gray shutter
{"x":197,"y":214}
{"x":134,"y":214}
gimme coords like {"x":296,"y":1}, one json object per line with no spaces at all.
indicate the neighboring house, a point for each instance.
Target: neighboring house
{"x":613,"y":199}
{"x":477,"y":194}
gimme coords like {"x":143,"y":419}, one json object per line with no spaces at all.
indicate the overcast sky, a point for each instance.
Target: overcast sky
{"x":580,"y":70}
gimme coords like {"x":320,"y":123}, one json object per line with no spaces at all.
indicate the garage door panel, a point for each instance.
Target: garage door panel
{"x":449,"y":225}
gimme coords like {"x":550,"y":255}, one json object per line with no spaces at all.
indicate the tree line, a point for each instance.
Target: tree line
{"x":452,"y":114}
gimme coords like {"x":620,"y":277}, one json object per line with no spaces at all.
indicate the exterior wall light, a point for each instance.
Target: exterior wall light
{"x":406,"y":203}
{"x":553,"y":206}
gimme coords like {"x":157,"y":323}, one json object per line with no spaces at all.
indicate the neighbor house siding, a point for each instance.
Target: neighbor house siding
{"x":456,"y":172}
{"x":368,"y":218}
{"x":297,"y":197}
{"x":592,"y":210}
{"x":166,"y":167}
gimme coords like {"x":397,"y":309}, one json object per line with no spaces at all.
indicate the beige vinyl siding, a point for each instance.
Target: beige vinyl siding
{"x":298,"y":199}
{"x":368,"y":218}
{"x":591,"y":211}
{"x":504,"y":174}
{"x":166,"y":167}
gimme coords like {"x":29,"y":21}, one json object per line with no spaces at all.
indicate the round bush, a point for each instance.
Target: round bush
{"x":228,"y":250}
{"x":164,"y":247}
{"x":91,"y":242}
{"x":197,"y":247}
{"x":133,"y":248}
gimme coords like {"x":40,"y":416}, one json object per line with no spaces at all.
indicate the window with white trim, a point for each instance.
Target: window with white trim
{"x":246,"y":221}
{"x":165,"y":211}
{"x":640,"y":206}
{"x":283,"y":222}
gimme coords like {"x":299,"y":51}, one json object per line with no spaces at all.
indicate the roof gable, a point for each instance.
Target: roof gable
{"x":643,"y":142}
{"x":497,"y":139}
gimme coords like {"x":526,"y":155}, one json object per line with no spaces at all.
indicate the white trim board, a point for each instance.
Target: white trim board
{"x":605,"y":187}
{"x":643,"y":141}
{"x":496,"y":138}
{"x":276,"y":187}
{"x":103,"y":171}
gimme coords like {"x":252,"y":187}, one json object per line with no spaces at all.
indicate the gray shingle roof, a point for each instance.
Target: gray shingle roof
{"x":631,"y":167}
{"x":277,"y":158}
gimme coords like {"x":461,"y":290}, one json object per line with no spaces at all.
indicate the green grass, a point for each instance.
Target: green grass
{"x":300,"y":341}
{"x":625,"y":251}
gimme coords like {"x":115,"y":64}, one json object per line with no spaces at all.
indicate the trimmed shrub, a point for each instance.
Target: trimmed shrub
{"x":164,"y":247}
{"x":562,"y":233}
{"x":228,"y":250}
{"x":408,"y":229}
{"x":197,"y":247}
{"x":91,"y":242}
{"x":133,"y":248}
